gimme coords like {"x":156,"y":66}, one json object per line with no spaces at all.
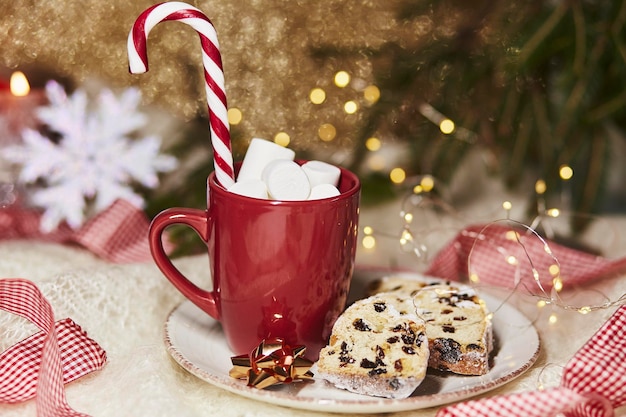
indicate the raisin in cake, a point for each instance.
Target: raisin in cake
{"x":458,"y":324}
{"x":375,"y":349}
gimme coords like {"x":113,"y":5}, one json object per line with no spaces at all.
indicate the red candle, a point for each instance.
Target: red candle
{"x":17,"y":107}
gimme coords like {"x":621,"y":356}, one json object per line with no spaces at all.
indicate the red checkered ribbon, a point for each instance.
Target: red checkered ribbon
{"x":593,"y":383}
{"x":39,"y":365}
{"x":500,"y":255}
{"x":118,"y":234}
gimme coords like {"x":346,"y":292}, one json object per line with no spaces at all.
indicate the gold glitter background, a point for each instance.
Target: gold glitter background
{"x":267,"y":52}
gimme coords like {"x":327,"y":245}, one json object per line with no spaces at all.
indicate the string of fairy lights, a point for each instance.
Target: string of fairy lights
{"x":422,"y":189}
{"x":545,"y":297}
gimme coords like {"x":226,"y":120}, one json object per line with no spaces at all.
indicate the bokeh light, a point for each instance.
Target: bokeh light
{"x":342,"y":79}
{"x":566,"y":172}
{"x":235,"y":116}
{"x":373,"y":144}
{"x":446,"y":126}
{"x":371,"y":94}
{"x":317,"y":95}
{"x":369,"y":242}
{"x":350,"y":107}
{"x":327,"y":132}
{"x":282,"y":139}
{"x":540,"y":187}
{"x":397,"y":175}
{"x":427,"y":183}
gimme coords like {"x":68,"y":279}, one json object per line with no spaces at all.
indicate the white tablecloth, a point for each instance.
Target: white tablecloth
{"x":124,"y":307}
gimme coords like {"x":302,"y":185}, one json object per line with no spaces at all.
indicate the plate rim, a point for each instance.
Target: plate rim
{"x":367,"y":404}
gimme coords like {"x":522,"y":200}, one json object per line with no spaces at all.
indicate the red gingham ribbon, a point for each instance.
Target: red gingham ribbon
{"x":118,"y":234}
{"x":486,"y":250}
{"x":593,"y":383}
{"x":213,"y":73}
{"x":41,"y":364}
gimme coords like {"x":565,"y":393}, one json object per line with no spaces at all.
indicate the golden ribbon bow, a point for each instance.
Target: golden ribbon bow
{"x":272,"y":362}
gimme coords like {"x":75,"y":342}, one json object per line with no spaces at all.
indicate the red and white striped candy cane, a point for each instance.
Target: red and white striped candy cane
{"x":213,"y":73}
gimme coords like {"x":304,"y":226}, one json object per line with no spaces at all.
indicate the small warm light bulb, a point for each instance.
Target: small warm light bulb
{"x":397,"y":175}
{"x":369,"y":242}
{"x":540,"y":187}
{"x":535,"y":275}
{"x":446,"y":126}
{"x":553,"y":319}
{"x":19,"y":84}
{"x":511,"y":260}
{"x":327,"y":132}
{"x":235,"y":116}
{"x":373,"y":144}
{"x":584,"y":310}
{"x":547,"y":249}
{"x":554,"y":270}
{"x":427,"y":183}
{"x":342,"y":79}
{"x":418,"y":189}
{"x":558,"y":284}
{"x":507,"y":205}
{"x":553,"y":212}
{"x":350,"y":107}
{"x":541,"y":303}
{"x":368,"y":230}
{"x":371,"y":93}
{"x":408,"y":217}
{"x":317,"y":95}
{"x":566,"y":172}
{"x":474,"y":277}
{"x":282,"y":139}
{"x":512,"y":235}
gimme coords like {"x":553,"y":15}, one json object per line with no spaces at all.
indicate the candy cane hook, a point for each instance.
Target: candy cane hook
{"x":213,"y":73}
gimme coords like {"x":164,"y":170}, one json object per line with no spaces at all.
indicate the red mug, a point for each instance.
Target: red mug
{"x":280,"y":269}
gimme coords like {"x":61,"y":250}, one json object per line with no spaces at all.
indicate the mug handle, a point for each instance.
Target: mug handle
{"x":197,"y":220}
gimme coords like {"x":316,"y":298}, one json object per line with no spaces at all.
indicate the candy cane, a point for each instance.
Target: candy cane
{"x":213,"y":73}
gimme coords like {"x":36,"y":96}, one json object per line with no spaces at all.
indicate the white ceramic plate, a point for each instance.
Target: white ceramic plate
{"x":197,"y":343}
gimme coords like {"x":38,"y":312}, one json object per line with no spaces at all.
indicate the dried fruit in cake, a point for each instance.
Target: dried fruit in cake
{"x":458,"y":323}
{"x":375,"y":349}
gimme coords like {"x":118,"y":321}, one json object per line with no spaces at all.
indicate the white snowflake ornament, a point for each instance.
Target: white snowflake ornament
{"x":93,"y":162}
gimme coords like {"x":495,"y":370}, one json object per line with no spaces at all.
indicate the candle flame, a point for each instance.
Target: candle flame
{"x":19,"y":84}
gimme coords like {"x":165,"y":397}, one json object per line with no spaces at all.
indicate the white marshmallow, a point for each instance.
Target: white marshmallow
{"x":260,"y":153}
{"x":285,"y":180}
{"x":321,"y":173}
{"x":323,"y":191}
{"x":250,"y":188}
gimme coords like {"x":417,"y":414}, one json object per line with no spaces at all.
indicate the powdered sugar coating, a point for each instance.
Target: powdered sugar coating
{"x":377,"y":347}
{"x":457,"y":321}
